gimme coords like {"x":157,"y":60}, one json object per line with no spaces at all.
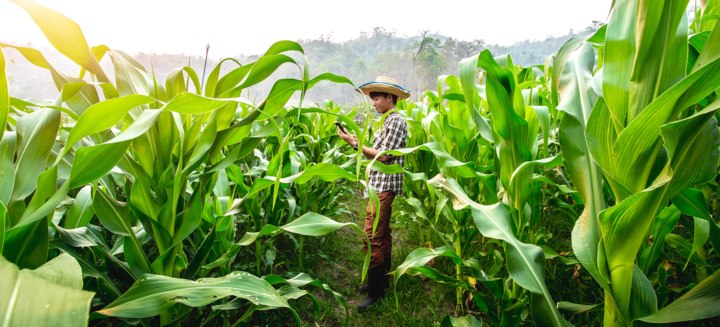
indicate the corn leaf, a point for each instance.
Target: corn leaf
{"x":49,"y":295}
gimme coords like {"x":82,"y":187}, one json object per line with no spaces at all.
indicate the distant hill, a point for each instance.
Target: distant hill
{"x":362,"y":59}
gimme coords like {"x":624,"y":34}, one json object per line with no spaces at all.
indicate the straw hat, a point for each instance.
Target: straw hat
{"x":387,"y":85}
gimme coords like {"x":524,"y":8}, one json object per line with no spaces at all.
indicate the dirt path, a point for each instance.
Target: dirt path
{"x":422,"y":302}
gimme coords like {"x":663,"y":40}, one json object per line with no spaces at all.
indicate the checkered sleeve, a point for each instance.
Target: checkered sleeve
{"x":395,"y":135}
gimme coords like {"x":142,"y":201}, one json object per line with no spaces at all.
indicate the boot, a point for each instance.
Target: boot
{"x":387,"y":265}
{"x":375,"y":289}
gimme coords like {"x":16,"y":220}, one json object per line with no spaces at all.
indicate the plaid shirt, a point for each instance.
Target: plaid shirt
{"x":393,"y":136}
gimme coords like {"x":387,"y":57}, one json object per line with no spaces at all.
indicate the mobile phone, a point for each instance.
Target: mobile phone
{"x":340,"y":126}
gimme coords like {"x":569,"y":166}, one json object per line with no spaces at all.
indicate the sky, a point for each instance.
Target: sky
{"x":250,"y":27}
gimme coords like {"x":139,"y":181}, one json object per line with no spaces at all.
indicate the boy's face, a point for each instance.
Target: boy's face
{"x":382,"y":104}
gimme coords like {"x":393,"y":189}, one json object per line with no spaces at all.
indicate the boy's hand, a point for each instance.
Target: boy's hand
{"x":347,"y":137}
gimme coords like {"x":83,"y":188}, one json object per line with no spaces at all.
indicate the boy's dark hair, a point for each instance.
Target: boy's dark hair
{"x":384,"y":95}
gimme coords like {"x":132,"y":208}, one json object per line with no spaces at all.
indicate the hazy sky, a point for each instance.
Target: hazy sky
{"x":250,"y":27}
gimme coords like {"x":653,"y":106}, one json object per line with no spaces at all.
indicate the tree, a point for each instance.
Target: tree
{"x":466,"y":49}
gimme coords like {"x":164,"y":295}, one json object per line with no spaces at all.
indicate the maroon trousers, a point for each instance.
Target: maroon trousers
{"x":381,"y":242}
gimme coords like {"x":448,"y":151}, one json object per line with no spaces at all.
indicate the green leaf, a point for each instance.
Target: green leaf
{"x":49,"y":295}
{"x":104,"y":115}
{"x":64,"y":34}
{"x":3,"y":223}
{"x":114,"y":217}
{"x":212,"y":79}
{"x":620,"y":226}
{"x":7,"y":166}
{"x":578,"y":102}
{"x":81,"y":212}
{"x":550,"y":254}
{"x":701,"y":233}
{"x":685,"y":249}
{"x":93,"y":162}
{"x":83,"y":236}
{"x":309,"y":224}
{"x":152,"y":295}
{"x":692,"y":203}
{"x":525,"y":261}
{"x":261,"y":70}
{"x":200,"y":255}
{"x":618,"y":60}
{"x":466,"y":321}
{"x":27,"y":244}
{"x":302,"y":279}
{"x":702,"y":302}
{"x":35,"y":137}
{"x":4,"y":95}
{"x":324,"y":171}
{"x":444,"y":159}
{"x":575,"y":308}
{"x":661,"y":45}
{"x":661,"y":227}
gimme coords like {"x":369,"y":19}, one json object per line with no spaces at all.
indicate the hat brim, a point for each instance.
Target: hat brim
{"x":384,"y":87}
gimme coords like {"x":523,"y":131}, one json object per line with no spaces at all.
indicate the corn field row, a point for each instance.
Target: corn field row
{"x":136,"y":201}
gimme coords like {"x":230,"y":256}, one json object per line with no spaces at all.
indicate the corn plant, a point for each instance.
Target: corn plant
{"x":463,"y":145}
{"x":647,"y":130}
{"x":146,"y":185}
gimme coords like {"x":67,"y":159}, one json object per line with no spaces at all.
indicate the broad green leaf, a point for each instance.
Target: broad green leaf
{"x":324,"y":171}
{"x":261,"y":70}
{"x":575,"y":308}
{"x":636,"y":148}
{"x":466,"y":321}
{"x":83,"y":236}
{"x":577,"y":103}
{"x":309,"y":224}
{"x":284,"y":46}
{"x":684,"y":247}
{"x":701,"y":302}
{"x":81,"y":211}
{"x":64,"y":34}
{"x":130,"y":80}
{"x":444,"y":159}
{"x":35,"y":57}
{"x":35,"y":138}
{"x":49,"y":295}
{"x":4,"y":95}
{"x":200,"y":255}
{"x":661,"y":227}
{"x":692,"y":203}
{"x":212,"y":79}
{"x":692,"y":145}
{"x":114,"y":217}
{"x":620,"y":47}
{"x":104,"y":115}
{"x":660,"y":52}
{"x":550,"y":162}
{"x":550,"y":254}
{"x":7,"y":166}
{"x":701,"y":233}
{"x":27,"y":244}
{"x":525,"y":261}
{"x":152,"y":295}
{"x":619,"y":226}
{"x":93,"y":162}
{"x":415,"y":262}
{"x":302,"y":279}
{"x":3,"y":223}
